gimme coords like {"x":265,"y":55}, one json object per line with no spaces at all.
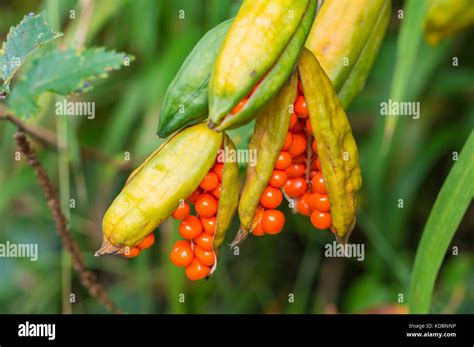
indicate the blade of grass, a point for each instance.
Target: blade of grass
{"x":145,"y":26}
{"x":217,"y":11}
{"x":409,"y":40}
{"x":386,"y":134}
{"x":76,"y":162}
{"x":104,"y":10}
{"x":64,"y":176}
{"x":308,"y":270}
{"x":427,"y":62}
{"x":452,"y":202}
{"x":383,"y":248}
{"x":427,"y":65}
{"x":64,"y":194}
{"x":413,"y":177}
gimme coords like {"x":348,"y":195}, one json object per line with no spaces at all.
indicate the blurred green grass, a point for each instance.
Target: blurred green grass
{"x":268,"y":269}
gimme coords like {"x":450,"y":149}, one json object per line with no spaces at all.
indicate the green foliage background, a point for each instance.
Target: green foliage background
{"x":267,"y":269}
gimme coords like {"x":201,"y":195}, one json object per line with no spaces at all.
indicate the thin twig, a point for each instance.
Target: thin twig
{"x":87,"y":277}
{"x":43,"y":136}
{"x":48,"y":139}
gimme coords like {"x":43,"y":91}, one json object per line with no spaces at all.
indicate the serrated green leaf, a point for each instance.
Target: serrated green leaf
{"x":22,"y":41}
{"x":62,"y":72}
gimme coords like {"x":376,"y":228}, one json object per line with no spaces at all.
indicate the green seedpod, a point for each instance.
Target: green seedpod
{"x":155,"y":189}
{"x":446,"y":18}
{"x":345,"y":38}
{"x":255,"y":62}
{"x":337,"y":149}
{"x":185,"y":102}
{"x":271,"y":127}
{"x":229,"y":197}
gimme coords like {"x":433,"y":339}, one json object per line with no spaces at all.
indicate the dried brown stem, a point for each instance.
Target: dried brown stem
{"x":87,"y":277}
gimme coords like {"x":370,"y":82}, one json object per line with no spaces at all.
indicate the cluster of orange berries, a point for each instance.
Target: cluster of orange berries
{"x":195,"y":252}
{"x":290,"y":174}
{"x":312,"y":197}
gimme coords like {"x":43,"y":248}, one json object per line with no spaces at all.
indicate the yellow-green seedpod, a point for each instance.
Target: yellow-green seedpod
{"x":229,"y":197}
{"x":267,"y":140}
{"x":154,"y":190}
{"x":257,"y":58}
{"x":446,"y":18}
{"x":337,"y":149}
{"x":345,"y":38}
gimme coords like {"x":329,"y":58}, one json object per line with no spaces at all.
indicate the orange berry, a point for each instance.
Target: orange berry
{"x":206,"y":205}
{"x":217,"y":192}
{"x":195,"y":195}
{"x":312,"y":173}
{"x":190,"y":227}
{"x":300,"y":107}
{"x":318,"y":163}
{"x":209,"y":225}
{"x":147,"y":242}
{"x":258,"y":231}
{"x":218,"y":169}
{"x":283,"y":161}
{"x":196,"y":271}
{"x":237,"y":108}
{"x":288,"y":141}
{"x":300,"y":159}
{"x":320,"y":202}
{"x":303,"y":204}
{"x":182,"y":211}
{"x":273,"y":221}
{"x":298,"y":146}
{"x":271,"y":197}
{"x":318,"y":183}
{"x":293,"y":120}
{"x":205,"y":257}
{"x":210,"y":181}
{"x":295,"y":187}
{"x":278,"y":178}
{"x":314,"y":146}
{"x":132,"y":252}
{"x":204,"y":241}
{"x":182,"y":253}
{"x":296,"y":170}
{"x":298,"y":126}
{"x":314,"y":165}
{"x":321,"y":220}
{"x":309,"y":128}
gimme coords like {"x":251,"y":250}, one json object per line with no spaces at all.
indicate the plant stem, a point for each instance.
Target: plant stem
{"x":87,"y":278}
{"x":64,"y":196}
